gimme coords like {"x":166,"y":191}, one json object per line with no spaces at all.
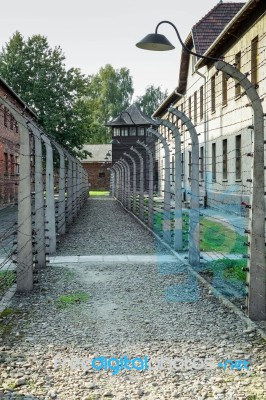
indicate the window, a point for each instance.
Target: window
{"x":17,"y":165}
{"x":201,"y":102}
{"x":213,"y":93}
{"x":16,"y":127}
{"x":101,"y":174}
{"x":193,"y":63}
{"x":238,"y":157}
{"x":132,"y":131}
{"x":12,"y":162}
{"x":5,"y":116}
{"x":224,"y":89}
{"x":124,"y":131}
{"x":214,"y":162}
{"x":225,"y":159}
{"x":201,"y":162}
{"x":189,"y":107}
{"x":182,"y":165}
{"x":189,"y":164}
{"x":173,"y":168}
{"x":11,"y":122}
{"x":182,"y":110}
{"x":116,"y":131}
{"x":5,"y":163}
{"x":254,"y":60}
{"x":238,"y":66}
{"x":141,"y":131}
{"x":195,"y":107}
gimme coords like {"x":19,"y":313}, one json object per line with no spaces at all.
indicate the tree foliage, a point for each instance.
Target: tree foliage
{"x":37,"y":73}
{"x":151,"y":99}
{"x":71,"y":107}
{"x":110,"y":92}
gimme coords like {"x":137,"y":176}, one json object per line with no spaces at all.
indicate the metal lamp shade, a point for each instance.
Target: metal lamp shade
{"x":155,"y":42}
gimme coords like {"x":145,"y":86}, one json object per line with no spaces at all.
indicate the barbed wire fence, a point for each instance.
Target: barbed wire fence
{"x":46,"y":187}
{"x":225,"y":242}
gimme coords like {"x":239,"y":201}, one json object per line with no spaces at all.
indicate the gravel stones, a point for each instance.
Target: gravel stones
{"x":127,"y":313}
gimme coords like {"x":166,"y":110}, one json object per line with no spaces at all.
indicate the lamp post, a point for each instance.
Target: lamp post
{"x":256,"y":297}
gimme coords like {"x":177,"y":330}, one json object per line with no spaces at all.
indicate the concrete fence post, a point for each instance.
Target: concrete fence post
{"x":61,"y":228}
{"x":167,"y":188}
{"x":194,"y":227}
{"x":123,"y":181}
{"x":39,"y":198}
{"x":141,"y":183}
{"x":120,"y":178}
{"x":178,"y":238}
{"x":134,"y":182}
{"x":150,"y":199}
{"x":112,"y":181}
{"x":256,"y":272}
{"x":50,"y":200}
{"x":69,"y":189}
{"x":117,"y":180}
{"x":74,"y":182}
{"x":127,"y":172}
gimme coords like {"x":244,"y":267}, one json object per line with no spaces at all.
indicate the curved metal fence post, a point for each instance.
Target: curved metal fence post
{"x":141,"y":183}
{"x":167,"y":188}
{"x":134,"y":182}
{"x":178,"y":238}
{"x":194,"y":244}
{"x":151,"y":166}
{"x":39,"y":198}
{"x":50,"y":200}
{"x":256,"y":273}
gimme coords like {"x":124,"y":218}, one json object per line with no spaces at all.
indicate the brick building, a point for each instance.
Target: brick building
{"x":97,"y":165}
{"x":9,"y":144}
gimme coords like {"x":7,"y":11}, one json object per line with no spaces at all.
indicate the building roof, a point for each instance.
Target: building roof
{"x":211,"y":25}
{"x":16,"y":96}
{"x":137,"y":118}
{"x":202,"y":35}
{"x":98,"y":152}
{"x":239,"y":24}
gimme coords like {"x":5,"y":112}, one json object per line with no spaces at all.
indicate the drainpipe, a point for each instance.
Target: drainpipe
{"x":205,"y":134}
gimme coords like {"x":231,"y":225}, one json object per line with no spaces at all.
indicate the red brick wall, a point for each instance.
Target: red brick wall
{"x":9,"y":148}
{"x":97,"y":182}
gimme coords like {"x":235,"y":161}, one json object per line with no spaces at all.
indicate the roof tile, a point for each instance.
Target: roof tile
{"x":211,"y":25}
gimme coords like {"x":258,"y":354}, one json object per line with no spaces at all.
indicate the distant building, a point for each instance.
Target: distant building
{"x":128,"y":127}
{"x":97,"y":165}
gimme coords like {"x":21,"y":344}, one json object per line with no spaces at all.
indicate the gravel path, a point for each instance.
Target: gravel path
{"x":132,"y":310}
{"x":103,"y":227}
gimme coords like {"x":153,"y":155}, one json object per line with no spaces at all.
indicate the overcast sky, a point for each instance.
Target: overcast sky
{"x":93,"y":33}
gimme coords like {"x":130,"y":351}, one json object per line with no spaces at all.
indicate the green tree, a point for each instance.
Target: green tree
{"x":151,"y":99}
{"x":37,"y":73}
{"x":110,"y":92}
